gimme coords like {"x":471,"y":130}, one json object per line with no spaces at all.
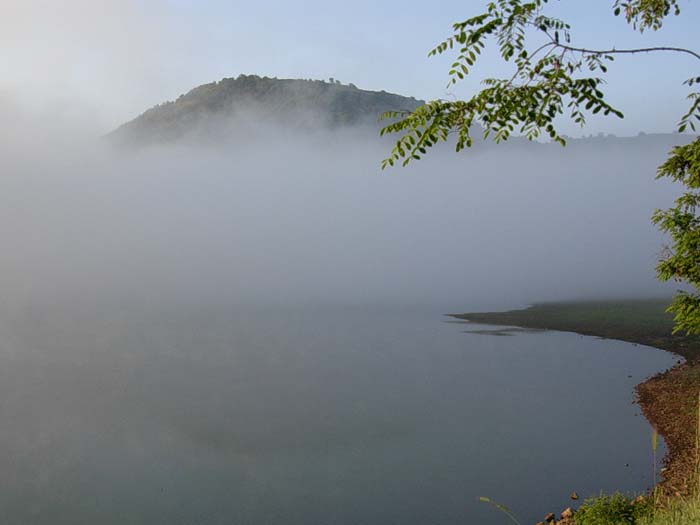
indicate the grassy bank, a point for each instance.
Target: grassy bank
{"x":677,"y":512}
{"x":636,"y":321}
{"x":669,"y":400}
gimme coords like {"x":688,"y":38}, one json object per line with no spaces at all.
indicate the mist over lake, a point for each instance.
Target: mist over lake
{"x":256,"y":334}
{"x":311,"y":219}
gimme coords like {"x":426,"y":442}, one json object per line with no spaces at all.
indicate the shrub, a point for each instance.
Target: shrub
{"x":617,"y":509}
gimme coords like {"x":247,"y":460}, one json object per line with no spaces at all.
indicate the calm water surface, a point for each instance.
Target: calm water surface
{"x":308,"y":416}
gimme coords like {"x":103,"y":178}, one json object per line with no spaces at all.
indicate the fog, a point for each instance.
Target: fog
{"x":286,"y":218}
{"x":213,"y":328}
{"x":282,"y":217}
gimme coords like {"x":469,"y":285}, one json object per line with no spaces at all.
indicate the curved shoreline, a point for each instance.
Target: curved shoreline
{"x":669,"y":400}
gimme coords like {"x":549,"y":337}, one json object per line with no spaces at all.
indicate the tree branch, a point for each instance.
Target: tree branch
{"x":614,"y":51}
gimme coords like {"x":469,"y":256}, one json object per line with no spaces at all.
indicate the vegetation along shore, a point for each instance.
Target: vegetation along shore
{"x":669,"y":400}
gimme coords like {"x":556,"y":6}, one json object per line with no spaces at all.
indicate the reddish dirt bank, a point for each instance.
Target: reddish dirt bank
{"x":670,"y":402}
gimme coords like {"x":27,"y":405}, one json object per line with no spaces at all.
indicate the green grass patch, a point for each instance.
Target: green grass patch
{"x":643,"y":321}
{"x":678,"y":512}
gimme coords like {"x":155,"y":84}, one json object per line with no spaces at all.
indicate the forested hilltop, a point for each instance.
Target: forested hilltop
{"x":249,"y":107}
{"x":249,"y":101}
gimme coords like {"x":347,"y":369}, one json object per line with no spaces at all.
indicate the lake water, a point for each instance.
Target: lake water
{"x":214,"y":415}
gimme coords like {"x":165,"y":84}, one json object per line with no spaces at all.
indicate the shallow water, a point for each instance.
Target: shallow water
{"x":309,"y":415}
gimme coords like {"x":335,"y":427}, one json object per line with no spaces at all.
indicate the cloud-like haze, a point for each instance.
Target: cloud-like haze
{"x":289,"y":218}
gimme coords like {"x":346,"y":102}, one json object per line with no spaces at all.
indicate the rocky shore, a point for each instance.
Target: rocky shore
{"x":566,"y":518}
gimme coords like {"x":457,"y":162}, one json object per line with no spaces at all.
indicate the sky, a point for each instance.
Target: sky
{"x":105,"y":61}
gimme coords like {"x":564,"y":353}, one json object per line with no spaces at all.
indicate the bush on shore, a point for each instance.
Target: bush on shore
{"x":617,"y":509}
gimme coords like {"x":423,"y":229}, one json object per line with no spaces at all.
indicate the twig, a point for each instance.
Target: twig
{"x":614,"y":51}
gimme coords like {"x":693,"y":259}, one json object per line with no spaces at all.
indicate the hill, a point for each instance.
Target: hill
{"x":240,"y":104}
{"x":250,"y":106}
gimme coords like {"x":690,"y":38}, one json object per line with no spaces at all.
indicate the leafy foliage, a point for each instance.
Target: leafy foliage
{"x":682,"y":261}
{"x":643,"y":14}
{"x":612,"y":510}
{"x":551,"y":78}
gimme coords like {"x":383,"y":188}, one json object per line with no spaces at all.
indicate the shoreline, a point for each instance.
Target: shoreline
{"x":668,"y":400}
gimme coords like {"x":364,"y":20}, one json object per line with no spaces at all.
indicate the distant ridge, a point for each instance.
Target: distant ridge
{"x":212,"y":110}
